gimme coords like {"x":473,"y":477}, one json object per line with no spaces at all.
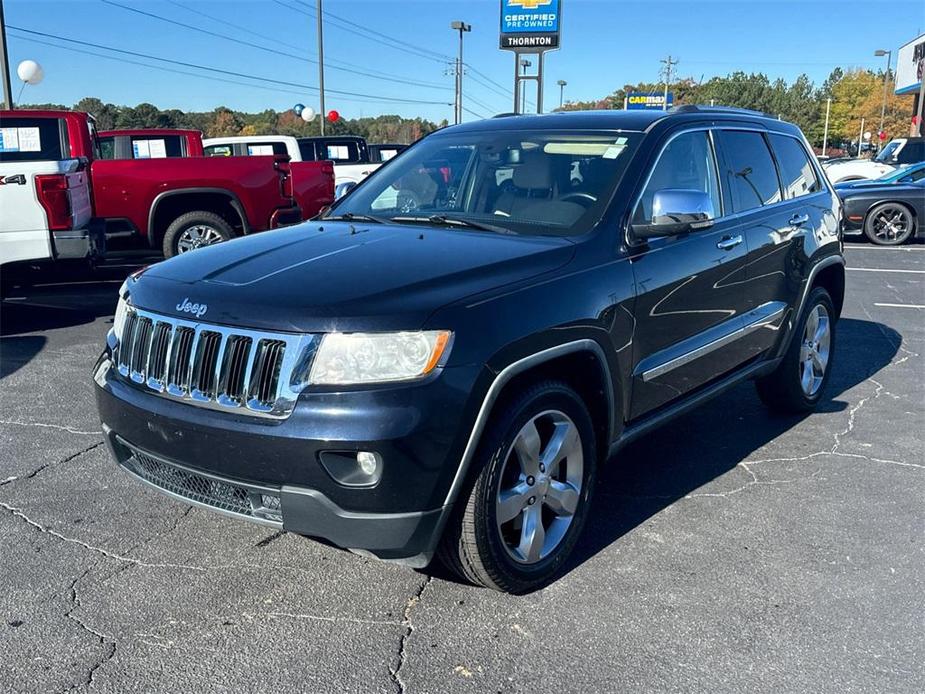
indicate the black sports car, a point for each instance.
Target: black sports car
{"x":888,"y":214}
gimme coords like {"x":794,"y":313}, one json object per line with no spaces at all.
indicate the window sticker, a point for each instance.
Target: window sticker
{"x":20,"y":140}
{"x":141,"y":149}
{"x":259,"y":150}
{"x":157,"y":149}
{"x":338,"y":152}
{"x":615,"y":150}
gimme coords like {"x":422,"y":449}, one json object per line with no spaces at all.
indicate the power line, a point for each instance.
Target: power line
{"x":265,"y":48}
{"x":375,"y":98}
{"x":334,"y":64}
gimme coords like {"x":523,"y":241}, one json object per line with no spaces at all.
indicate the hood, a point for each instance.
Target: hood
{"x":321,"y":277}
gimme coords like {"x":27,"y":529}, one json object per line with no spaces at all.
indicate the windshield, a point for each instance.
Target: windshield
{"x":526,"y":182}
{"x":889,"y":152}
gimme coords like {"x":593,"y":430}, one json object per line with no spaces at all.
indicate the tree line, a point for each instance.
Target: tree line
{"x":855,"y":94}
{"x":225,"y":122}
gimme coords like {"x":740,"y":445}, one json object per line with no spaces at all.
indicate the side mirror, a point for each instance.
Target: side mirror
{"x":677,"y":211}
{"x":343,"y":188}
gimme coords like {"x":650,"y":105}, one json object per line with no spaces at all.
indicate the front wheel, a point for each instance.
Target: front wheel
{"x":889,"y":224}
{"x":195,"y":230}
{"x":797,"y":384}
{"x":519,"y":517}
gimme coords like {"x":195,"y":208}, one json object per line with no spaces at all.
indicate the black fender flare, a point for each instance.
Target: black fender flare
{"x":232,"y":197}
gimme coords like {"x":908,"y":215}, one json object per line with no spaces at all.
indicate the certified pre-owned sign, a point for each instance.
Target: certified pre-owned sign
{"x":530,"y":24}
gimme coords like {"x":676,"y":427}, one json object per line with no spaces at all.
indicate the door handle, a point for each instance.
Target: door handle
{"x":799,"y":220}
{"x":729,"y":242}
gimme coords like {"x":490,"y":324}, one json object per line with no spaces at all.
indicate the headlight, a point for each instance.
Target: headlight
{"x":118,"y":321}
{"x":354,"y":358}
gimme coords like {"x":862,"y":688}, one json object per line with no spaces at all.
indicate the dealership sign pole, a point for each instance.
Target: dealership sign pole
{"x":530,"y":27}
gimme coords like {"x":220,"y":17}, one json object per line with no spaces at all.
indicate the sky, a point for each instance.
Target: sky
{"x":605,"y":44}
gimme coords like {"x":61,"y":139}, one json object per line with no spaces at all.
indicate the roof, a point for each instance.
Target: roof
{"x":41,"y":113}
{"x":630,"y":120}
{"x":154,"y":132}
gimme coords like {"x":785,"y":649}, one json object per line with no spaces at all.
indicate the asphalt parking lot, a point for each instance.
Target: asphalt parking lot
{"x":729,"y":552}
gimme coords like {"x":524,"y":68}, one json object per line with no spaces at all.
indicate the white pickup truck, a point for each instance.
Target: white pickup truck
{"x":350,"y":154}
{"x":45,"y":203}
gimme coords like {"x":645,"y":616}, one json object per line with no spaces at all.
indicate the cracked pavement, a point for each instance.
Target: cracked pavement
{"x":730,"y":551}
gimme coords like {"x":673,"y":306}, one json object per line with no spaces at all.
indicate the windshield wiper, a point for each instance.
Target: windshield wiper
{"x":443,"y":220}
{"x":350,"y":217}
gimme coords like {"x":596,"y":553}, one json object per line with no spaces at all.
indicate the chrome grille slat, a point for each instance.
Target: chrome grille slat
{"x":210,"y":366}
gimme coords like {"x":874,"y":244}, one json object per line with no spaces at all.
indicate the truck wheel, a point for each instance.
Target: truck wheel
{"x":889,"y":224}
{"x":797,"y":384}
{"x":195,"y":230}
{"x":518,"y":518}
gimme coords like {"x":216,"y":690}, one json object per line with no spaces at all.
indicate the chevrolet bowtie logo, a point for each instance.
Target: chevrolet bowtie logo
{"x":529,"y":4}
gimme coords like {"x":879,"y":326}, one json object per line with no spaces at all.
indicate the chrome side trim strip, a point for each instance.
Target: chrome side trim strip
{"x":758,"y":318}
{"x":506,"y":375}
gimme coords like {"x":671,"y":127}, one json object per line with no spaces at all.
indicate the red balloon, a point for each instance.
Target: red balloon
{"x":333,"y":116}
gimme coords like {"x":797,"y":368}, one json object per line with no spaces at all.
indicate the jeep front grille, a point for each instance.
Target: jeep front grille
{"x":211,"y":366}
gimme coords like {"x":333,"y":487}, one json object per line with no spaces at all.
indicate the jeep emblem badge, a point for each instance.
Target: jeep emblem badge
{"x":198,"y":310}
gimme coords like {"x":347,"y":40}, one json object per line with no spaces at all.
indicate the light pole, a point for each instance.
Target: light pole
{"x":562,"y":84}
{"x":462,"y":28}
{"x":886,"y":77}
{"x":5,"y":67}
{"x":321,"y":115}
{"x":825,"y":133}
{"x":524,"y":64}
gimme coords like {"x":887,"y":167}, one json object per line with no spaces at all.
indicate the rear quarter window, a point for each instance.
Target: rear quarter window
{"x":796,"y":172}
{"x":33,"y":139}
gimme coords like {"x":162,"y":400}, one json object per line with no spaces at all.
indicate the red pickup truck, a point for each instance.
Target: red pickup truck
{"x":176,"y":204}
{"x":145,"y":143}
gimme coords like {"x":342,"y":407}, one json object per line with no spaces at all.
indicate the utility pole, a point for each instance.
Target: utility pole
{"x":524,"y":64}
{"x":323,"y":114}
{"x":562,"y":84}
{"x":825,"y":133}
{"x":886,"y":79}
{"x":462,"y":28}
{"x":7,"y":89}
{"x":669,"y":63}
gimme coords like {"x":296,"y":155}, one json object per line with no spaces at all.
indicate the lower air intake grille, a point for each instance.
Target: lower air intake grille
{"x":259,"y":503}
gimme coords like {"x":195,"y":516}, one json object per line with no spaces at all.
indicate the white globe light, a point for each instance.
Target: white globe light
{"x":867,"y":135}
{"x":308,"y":114}
{"x":30,"y":72}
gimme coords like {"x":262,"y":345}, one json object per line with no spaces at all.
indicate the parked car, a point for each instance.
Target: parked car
{"x":888,"y":213}
{"x":173,"y":204}
{"x":349,"y":154}
{"x":904,"y":150}
{"x":449,"y":380}
{"x":147,"y":143}
{"x":45,"y":206}
{"x":154,"y":143}
{"x":908,"y":173}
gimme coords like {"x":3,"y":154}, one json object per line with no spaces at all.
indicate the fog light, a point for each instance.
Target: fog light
{"x":369,"y":462}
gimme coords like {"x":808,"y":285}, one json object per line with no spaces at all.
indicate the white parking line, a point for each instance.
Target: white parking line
{"x":885,"y":269}
{"x":907,"y":249}
{"x":901,"y":305}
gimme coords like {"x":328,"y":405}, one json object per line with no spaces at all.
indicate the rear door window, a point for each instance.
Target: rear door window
{"x":265,"y":149}
{"x":749,"y":170}
{"x":157,"y":147}
{"x":33,"y":139}
{"x":796,"y":171}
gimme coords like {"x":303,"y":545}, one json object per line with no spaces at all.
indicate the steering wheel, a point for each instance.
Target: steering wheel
{"x":585,"y":199}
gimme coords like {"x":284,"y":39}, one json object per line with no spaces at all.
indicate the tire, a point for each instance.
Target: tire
{"x":485,"y":552}
{"x":195,"y":230}
{"x":789,"y":389}
{"x":889,"y":224}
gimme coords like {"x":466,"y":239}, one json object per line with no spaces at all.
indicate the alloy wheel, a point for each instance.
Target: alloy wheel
{"x":892,"y":223}
{"x":814,"y":351}
{"x":540,"y":487}
{"x":198,"y":236}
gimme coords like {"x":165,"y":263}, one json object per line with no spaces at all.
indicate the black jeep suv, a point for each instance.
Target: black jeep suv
{"x":440,"y":363}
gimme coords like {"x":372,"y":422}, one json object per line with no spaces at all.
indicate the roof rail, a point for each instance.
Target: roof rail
{"x":692,"y":108}
{"x":505,"y":115}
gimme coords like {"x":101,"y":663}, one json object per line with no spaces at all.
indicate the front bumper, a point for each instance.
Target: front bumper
{"x":230,"y":462}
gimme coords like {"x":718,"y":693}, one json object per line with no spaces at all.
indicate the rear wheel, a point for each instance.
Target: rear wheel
{"x":797,"y":384}
{"x":195,"y":230}
{"x":518,"y":519}
{"x":889,"y":224}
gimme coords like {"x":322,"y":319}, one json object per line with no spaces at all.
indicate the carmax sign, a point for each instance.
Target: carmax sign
{"x":530,"y":24}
